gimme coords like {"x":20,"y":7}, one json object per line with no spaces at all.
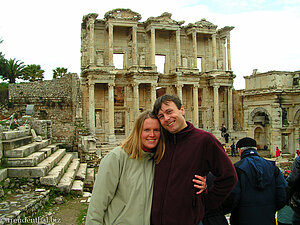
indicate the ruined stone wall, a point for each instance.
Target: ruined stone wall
{"x":58,"y":100}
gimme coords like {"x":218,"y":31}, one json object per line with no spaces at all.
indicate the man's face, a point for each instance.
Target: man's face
{"x":171,"y":118}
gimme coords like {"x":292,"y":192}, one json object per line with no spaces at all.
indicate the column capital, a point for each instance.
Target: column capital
{"x":109,"y":25}
{"x":111,"y":84}
{"x":196,"y":85}
{"x":179,"y":85}
{"x":153,"y":85}
{"x":216,"y":85}
{"x":91,"y":82}
{"x":135,"y":84}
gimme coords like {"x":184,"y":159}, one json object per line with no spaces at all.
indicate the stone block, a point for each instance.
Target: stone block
{"x":16,"y":142}
{"x":81,"y":173}
{"x":57,"y":172}
{"x":26,"y":150}
{"x":77,"y":187}
{"x":67,"y":180}
{"x":3,"y":174}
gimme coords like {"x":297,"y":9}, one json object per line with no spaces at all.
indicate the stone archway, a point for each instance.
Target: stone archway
{"x":260,"y":121}
{"x":260,"y":115}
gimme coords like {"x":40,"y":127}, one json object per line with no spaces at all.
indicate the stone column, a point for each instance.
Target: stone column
{"x":110,"y":44}
{"x":194,"y":34}
{"x":179,"y":91}
{"x":127,"y":95}
{"x":216,"y":107}
{"x":196,"y":107}
{"x":92,"y":107}
{"x":214,"y":51}
{"x":134,"y":45}
{"x":228,"y":52}
{"x":152,"y":46}
{"x":296,"y":140}
{"x":230,"y":110}
{"x":111,"y":112}
{"x":178,"y":58}
{"x":153,"y":93}
{"x":91,"y":27}
{"x":135,"y":99}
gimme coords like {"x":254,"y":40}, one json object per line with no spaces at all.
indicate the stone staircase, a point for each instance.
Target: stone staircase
{"x":51,"y":165}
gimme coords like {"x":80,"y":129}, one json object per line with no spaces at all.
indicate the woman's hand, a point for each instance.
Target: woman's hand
{"x":200,"y":183}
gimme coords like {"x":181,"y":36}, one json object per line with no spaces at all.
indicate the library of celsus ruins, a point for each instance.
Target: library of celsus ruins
{"x":126,"y":64}
{"x":196,"y":66}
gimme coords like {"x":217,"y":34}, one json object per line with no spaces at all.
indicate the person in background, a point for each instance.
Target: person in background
{"x":232,"y":149}
{"x":260,"y":191}
{"x":285,"y":215}
{"x":294,"y":190}
{"x":277,"y":153}
{"x":189,"y":151}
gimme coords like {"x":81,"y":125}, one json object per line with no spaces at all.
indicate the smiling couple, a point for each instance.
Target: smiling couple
{"x":153,"y":178}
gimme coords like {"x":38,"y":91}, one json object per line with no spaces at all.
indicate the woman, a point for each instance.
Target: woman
{"x":122,"y":193}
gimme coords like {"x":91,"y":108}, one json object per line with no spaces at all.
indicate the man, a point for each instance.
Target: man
{"x":260,"y":191}
{"x":189,"y":151}
{"x":232,"y":149}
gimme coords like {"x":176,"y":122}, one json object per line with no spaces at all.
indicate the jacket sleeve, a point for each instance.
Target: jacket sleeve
{"x":232,"y":201}
{"x":104,"y":189}
{"x":221,"y":167}
{"x":281,"y":190}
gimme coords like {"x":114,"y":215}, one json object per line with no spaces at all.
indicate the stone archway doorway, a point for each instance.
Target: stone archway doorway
{"x":260,"y":137}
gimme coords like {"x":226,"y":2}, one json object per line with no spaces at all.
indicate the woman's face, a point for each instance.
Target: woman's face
{"x":150,"y":133}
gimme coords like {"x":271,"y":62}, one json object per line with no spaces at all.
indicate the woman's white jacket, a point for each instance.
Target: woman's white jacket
{"x":122,"y":193}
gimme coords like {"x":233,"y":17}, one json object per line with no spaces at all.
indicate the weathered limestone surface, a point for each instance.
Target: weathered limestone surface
{"x":196,"y":67}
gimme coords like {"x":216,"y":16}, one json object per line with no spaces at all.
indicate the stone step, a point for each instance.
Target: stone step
{"x":67,"y":180}
{"x":57,"y":172}
{"x":8,"y":135}
{"x":77,"y":187}
{"x":81,"y":173}
{"x":26,"y":150}
{"x":31,"y":160}
{"x":40,"y":170}
{"x":90,"y":178}
{"x":15,"y":143}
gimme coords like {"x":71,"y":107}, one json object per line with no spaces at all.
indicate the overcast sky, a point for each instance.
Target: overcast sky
{"x":266,"y":34}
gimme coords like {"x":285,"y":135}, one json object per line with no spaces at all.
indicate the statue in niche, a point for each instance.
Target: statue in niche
{"x":98,"y":119}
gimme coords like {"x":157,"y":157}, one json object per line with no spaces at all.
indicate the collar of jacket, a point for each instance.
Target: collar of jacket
{"x":249,"y":152}
{"x":181,"y":134}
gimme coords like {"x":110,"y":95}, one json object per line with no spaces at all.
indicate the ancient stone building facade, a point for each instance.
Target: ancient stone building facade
{"x":271,"y":108}
{"x":196,"y":67}
{"x":58,"y":100}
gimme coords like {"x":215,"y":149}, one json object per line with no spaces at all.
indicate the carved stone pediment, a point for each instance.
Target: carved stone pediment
{"x":164,"y":18}
{"x":203,"y":23}
{"x":89,"y":16}
{"x":122,"y":14}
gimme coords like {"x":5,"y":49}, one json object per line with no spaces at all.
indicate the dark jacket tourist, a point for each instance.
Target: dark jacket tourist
{"x":294,"y":189}
{"x":260,"y":191}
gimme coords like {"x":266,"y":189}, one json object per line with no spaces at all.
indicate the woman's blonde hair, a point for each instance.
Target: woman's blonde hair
{"x":132,"y":144}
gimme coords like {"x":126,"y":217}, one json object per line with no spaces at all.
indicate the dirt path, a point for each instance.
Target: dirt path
{"x":69,"y":213}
